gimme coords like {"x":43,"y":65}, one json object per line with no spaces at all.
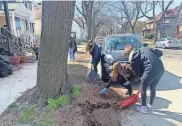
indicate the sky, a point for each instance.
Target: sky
{"x":158,"y":9}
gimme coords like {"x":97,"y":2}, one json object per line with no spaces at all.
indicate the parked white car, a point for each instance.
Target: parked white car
{"x":168,"y":43}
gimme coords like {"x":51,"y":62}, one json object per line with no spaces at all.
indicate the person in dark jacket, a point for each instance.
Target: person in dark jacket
{"x":36,"y":50}
{"x":72,"y":48}
{"x":146,"y":64}
{"x":95,"y":52}
{"x":121,"y":74}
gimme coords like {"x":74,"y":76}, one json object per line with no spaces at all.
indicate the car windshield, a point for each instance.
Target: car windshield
{"x":119,"y":43}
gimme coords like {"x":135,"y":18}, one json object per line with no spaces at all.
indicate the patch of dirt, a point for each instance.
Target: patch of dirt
{"x":88,"y":109}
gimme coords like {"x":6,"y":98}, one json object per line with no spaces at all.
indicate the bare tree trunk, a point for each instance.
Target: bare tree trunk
{"x":89,"y":25}
{"x":57,"y":20}
{"x":133,"y":29}
{"x":156,"y":32}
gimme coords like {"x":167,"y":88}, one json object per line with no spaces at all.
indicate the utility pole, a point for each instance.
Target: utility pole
{"x":6,"y":12}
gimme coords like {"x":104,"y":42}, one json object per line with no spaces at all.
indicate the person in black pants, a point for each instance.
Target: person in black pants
{"x":36,"y":50}
{"x":146,"y":64}
{"x":121,"y":74}
{"x":95,"y":52}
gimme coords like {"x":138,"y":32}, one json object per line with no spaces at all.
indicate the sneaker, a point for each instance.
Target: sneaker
{"x":142,"y":109}
{"x":149,"y":106}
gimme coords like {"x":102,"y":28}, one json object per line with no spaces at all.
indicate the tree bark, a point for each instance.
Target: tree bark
{"x":89,"y":21}
{"x":133,"y":29}
{"x":57,"y":20}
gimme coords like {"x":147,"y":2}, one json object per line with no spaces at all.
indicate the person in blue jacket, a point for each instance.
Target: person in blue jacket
{"x":95,"y":52}
{"x":146,"y":64}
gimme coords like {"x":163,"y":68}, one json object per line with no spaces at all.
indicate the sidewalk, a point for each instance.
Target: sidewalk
{"x":13,"y":86}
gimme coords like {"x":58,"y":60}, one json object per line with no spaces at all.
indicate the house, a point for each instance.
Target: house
{"x":168,"y":25}
{"x":37,"y":15}
{"x":179,"y":23}
{"x":79,"y":27}
{"x":21,"y":18}
{"x":21,"y":21}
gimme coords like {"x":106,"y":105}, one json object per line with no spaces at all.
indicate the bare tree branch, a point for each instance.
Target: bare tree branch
{"x":79,"y":10}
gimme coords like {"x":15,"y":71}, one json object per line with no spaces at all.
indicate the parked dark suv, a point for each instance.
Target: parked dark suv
{"x":113,"y":51}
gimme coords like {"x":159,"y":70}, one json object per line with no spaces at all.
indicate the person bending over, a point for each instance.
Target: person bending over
{"x":146,"y":64}
{"x":121,"y":74}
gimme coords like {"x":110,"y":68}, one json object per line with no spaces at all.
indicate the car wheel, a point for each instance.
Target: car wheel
{"x":164,"y":46}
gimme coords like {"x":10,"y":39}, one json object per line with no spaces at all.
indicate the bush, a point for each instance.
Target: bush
{"x":149,"y":36}
{"x":28,"y":115}
{"x":76,"y":90}
{"x":80,"y":41}
{"x":57,"y":102}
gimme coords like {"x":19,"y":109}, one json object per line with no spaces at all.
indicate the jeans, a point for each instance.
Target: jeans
{"x":148,"y":80}
{"x":95,"y":67}
{"x":71,"y":54}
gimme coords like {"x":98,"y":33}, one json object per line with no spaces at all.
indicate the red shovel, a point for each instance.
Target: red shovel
{"x":130,"y":100}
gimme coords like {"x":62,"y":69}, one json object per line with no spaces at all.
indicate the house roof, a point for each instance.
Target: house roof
{"x":79,"y":20}
{"x":172,"y":12}
{"x":37,"y":11}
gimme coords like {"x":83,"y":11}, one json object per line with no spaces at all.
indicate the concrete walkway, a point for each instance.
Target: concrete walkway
{"x":13,"y":86}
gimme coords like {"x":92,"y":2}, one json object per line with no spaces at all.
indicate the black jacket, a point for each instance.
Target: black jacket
{"x":96,"y":54}
{"x":145,"y":60}
{"x":73,"y":45}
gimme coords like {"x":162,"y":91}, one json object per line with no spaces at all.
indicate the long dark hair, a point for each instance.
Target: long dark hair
{"x":89,"y":46}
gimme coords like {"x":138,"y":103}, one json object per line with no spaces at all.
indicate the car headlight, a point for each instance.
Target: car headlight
{"x":108,"y":58}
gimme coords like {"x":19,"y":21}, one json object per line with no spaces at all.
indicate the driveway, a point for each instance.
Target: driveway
{"x":13,"y":86}
{"x":167,"y":110}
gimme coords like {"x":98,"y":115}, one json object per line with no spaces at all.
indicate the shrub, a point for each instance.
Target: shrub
{"x":57,"y":102}
{"x":76,"y":90}
{"x":28,"y":115}
{"x":149,"y":36}
{"x":79,"y":41}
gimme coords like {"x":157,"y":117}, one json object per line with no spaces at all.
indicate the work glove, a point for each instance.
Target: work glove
{"x":103,"y":91}
{"x":126,"y":83}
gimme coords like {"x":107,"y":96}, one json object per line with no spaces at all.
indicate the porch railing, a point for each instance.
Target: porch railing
{"x":9,"y":41}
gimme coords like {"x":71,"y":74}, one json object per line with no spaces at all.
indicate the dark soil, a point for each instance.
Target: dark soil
{"x":84,"y":109}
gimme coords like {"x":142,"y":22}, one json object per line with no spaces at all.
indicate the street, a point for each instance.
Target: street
{"x":172,"y":60}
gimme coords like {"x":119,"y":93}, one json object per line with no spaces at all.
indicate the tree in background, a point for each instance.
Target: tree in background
{"x":89,"y":10}
{"x":127,"y":13}
{"x":152,"y":5}
{"x":57,"y":20}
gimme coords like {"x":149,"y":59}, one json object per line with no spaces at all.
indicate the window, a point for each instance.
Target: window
{"x":119,"y":42}
{"x":17,"y":23}
{"x":166,"y":21}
